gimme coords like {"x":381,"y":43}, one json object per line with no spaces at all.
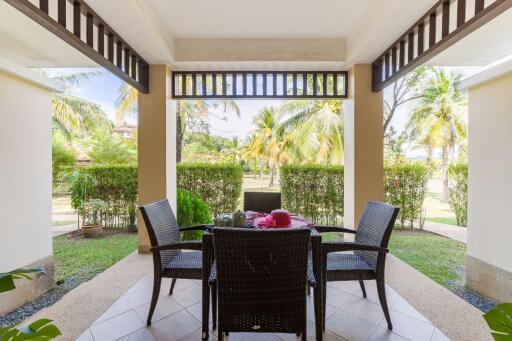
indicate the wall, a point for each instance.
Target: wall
{"x":25,"y":183}
{"x":489,"y":266}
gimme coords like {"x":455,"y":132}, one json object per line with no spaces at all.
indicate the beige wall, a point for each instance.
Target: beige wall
{"x":25,"y":173}
{"x":490,"y":187}
{"x":157,"y":145}
{"x":363,"y":114}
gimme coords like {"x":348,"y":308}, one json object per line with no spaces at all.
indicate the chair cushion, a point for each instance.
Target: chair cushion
{"x":186,"y":260}
{"x":346,"y":262}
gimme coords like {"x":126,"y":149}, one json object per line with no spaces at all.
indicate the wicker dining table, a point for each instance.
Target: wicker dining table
{"x":208,"y":256}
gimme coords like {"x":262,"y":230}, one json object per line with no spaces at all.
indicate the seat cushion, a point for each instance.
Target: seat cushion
{"x":342,"y":261}
{"x":188,"y":264}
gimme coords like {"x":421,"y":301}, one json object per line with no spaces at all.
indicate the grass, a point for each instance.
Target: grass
{"x":437,"y":257}
{"x":443,"y":220}
{"x":77,"y":258}
{"x":62,"y":223}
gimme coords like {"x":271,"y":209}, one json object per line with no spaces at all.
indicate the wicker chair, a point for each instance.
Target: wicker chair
{"x":262,"y":201}
{"x":168,"y":259}
{"x":260,"y":277}
{"x":369,"y":252}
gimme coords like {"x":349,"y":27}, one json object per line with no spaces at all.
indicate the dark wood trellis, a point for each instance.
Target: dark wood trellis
{"x":259,"y":84}
{"x":99,"y":42}
{"x":425,"y":39}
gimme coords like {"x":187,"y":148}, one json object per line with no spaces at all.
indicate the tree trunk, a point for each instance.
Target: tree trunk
{"x":271,"y":177}
{"x":445,"y":172}
{"x":179,"y":133}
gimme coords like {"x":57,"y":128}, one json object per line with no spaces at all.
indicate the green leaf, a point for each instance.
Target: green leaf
{"x":40,"y":330}
{"x":6,"y":283}
{"x":7,"y":279}
{"x":499,"y":320}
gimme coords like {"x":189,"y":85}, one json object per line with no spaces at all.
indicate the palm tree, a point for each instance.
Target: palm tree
{"x":188,"y":111}
{"x":74,"y":115}
{"x":315,"y":128}
{"x":270,"y":142}
{"x":439,"y":121}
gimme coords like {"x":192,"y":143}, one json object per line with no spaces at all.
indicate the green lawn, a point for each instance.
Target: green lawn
{"x":436,"y":257}
{"x":62,"y":223}
{"x":82,"y":259}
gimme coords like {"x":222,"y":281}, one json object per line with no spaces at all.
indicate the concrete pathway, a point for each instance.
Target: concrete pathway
{"x":449,"y":231}
{"x":63,"y":229}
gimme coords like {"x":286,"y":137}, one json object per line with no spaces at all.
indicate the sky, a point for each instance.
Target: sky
{"x":103,"y":89}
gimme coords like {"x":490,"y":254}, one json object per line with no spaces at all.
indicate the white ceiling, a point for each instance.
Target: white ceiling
{"x":242,"y":34}
{"x":27,"y":43}
{"x":262,"y":19}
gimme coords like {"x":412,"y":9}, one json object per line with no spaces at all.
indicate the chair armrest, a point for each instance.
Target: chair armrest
{"x":328,"y":247}
{"x":195,"y":228}
{"x":322,"y":229}
{"x":188,"y":245}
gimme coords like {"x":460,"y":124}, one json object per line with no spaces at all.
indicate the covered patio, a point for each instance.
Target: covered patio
{"x":161,"y":47}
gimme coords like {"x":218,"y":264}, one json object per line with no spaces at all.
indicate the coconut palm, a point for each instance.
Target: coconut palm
{"x":439,"y":120}
{"x":74,"y":115}
{"x":315,"y":129}
{"x":190,"y":113}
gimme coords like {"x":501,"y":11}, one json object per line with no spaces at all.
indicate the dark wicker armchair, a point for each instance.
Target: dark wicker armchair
{"x":262,"y":201}
{"x":260,"y":276}
{"x":369,"y":252}
{"x":168,"y":259}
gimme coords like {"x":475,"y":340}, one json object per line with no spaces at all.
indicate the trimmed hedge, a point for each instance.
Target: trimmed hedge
{"x":458,"y":192}
{"x":219,"y":185}
{"x":114,"y":184}
{"x":313,"y":191}
{"x":405,"y":186}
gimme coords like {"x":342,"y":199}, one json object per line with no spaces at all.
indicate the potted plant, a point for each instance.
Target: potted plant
{"x":91,"y":211}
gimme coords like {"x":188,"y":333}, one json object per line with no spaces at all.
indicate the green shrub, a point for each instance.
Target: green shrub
{"x":219,"y":185}
{"x":114,"y":184}
{"x":458,"y":192}
{"x":63,"y":157}
{"x":313,"y":191}
{"x":405,"y":186}
{"x":192,"y":211}
{"x":110,"y":148}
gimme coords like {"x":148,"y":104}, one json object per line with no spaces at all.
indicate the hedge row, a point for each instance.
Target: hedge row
{"x":114,"y":184}
{"x":458,"y":192}
{"x":405,"y":186}
{"x":219,"y":185}
{"x":315,"y":192}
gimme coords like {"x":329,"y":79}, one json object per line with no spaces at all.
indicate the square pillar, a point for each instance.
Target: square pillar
{"x":156,"y":145}
{"x":364,"y":144}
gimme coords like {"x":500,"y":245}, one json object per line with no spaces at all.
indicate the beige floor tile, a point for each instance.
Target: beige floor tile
{"x":329,"y":310}
{"x":116,"y":327}
{"x":165,"y":306}
{"x":142,"y":334}
{"x":189,"y":296}
{"x":197,"y":311}
{"x":372,"y":295}
{"x":119,"y":307}
{"x":175,"y":327}
{"x":363,"y":309}
{"x":383,"y":334}
{"x":337,"y":298}
{"x":404,"y":307}
{"x":86,"y":336}
{"x":349,"y":326}
{"x":409,"y":327}
{"x":439,"y":336}
{"x":351,"y":287}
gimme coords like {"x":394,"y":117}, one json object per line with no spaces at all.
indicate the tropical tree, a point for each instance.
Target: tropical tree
{"x":270,"y":143}
{"x":439,"y":121}
{"x":74,"y":115}
{"x":190,"y":114}
{"x":315,"y":130}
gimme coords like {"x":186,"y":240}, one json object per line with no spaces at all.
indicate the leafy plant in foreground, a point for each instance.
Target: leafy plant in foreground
{"x":39,"y":330}
{"x":499,"y":320}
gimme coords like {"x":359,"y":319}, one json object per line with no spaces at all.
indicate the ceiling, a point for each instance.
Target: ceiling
{"x":247,"y":35}
{"x":27,"y":43}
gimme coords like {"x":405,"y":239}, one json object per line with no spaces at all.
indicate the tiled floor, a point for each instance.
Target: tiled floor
{"x":178,"y":317}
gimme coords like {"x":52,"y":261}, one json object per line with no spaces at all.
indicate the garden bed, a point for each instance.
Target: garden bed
{"x":77,"y":260}
{"x":441,"y":259}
